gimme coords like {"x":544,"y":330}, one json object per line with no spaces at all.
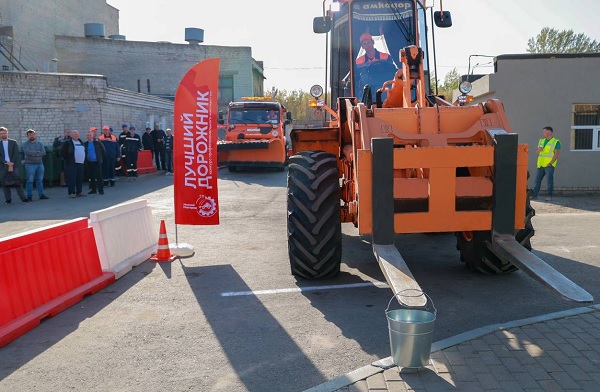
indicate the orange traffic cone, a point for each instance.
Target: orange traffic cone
{"x":163,"y":253}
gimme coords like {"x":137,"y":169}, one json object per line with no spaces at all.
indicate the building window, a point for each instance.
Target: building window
{"x":225,"y":91}
{"x":585,"y":132}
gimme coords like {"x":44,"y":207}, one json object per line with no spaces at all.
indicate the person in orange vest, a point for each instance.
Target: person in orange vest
{"x":111,"y":146}
{"x":548,"y":151}
{"x":371,"y":54}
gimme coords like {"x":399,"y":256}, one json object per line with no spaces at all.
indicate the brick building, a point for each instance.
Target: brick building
{"x":49,"y":103}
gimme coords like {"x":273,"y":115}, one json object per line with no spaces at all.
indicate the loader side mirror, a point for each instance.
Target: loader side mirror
{"x":288,"y":117}
{"x":442,"y":18}
{"x":221,"y":119}
{"x":321,"y":24}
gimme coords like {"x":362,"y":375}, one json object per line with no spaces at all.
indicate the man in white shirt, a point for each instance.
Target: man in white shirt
{"x":73,"y":152}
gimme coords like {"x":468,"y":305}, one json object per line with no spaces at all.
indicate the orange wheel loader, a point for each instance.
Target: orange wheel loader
{"x":394,"y":158}
{"x":254,"y":134}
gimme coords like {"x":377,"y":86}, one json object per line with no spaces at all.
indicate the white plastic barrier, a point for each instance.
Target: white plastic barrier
{"x":125,"y":235}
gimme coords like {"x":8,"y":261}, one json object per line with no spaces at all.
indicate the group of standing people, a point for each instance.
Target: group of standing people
{"x":160,"y":143}
{"x":103,"y":157}
{"x":99,"y":157}
{"x":78,"y":154}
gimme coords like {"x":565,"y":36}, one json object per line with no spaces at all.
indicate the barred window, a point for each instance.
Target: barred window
{"x":585,"y":132}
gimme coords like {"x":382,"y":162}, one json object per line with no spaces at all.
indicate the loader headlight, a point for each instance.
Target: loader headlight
{"x":465,"y":87}
{"x":275,"y":133}
{"x":316,"y":91}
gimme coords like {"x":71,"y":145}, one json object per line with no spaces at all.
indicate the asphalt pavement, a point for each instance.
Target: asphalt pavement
{"x":189,"y":326}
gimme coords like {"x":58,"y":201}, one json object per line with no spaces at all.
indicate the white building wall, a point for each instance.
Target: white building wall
{"x":537,"y":92}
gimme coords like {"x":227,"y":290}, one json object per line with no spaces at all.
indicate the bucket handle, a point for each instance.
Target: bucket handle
{"x":421,"y":293}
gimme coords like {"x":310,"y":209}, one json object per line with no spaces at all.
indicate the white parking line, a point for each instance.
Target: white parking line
{"x":303,"y":289}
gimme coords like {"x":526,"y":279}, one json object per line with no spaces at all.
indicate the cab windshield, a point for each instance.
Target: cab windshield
{"x":379,"y":30}
{"x":253,"y":116}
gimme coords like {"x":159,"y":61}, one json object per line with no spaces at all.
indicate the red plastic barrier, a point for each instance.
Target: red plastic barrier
{"x":144,"y":162}
{"x":45,"y":271}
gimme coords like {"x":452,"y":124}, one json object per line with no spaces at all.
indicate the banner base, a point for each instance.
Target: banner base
{"x":181,"y":250}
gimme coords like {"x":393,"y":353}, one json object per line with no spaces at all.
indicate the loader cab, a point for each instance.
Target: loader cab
{"x":366,"y":39}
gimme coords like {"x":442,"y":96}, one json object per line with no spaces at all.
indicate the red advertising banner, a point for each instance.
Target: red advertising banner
{"x":195,"y":145}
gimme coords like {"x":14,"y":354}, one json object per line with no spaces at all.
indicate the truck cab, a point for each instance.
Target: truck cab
{"x":255,"y":134}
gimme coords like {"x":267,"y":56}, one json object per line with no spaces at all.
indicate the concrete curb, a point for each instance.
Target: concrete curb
{"x":386,"y":363}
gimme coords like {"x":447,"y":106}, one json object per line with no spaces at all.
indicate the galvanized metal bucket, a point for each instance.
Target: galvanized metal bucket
{"x":411,"y":330}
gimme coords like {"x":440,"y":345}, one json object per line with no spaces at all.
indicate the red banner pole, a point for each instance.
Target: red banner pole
{"x":195,"y":145}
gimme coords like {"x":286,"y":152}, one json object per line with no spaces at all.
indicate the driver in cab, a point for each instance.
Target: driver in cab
{"x":371,"y":54}
{"x":272,"y":116}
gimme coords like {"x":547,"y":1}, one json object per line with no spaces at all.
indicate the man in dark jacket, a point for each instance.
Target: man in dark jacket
{"x":169,"y":152}
{"x":57,"y":147}
{"x":95,"y":155}
{"x":158,"y":137}
{"x":133,"y":145}
{"x":121,"y":170}
{"x":147,"y":140}
{"x":73,"y":152}
{"x":9,"y":159}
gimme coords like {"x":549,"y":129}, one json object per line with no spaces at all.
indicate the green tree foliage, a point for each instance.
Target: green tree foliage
{"x":296,"y":101}
{"x":565,"y":41}
{"x":451,"y":81}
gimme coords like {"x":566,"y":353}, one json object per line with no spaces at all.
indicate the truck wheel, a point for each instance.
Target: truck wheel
{"x":314,"y":225}
{"x":476,"y":255}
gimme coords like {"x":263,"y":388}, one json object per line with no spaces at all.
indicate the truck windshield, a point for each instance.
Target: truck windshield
{"x":253,"y":116}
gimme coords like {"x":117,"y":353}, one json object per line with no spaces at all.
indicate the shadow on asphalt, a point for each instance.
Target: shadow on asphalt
{"x":349,"y":308}
{"x":262,"y":354}
{"x":267,"y":177}
{"x":52,"y":330}
{"x":589,"y":202}
{"x":60,"y":207}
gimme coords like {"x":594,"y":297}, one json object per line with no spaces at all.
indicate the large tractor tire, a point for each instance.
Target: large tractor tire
{"x":314,"y":225}
{"x":476,"y":255}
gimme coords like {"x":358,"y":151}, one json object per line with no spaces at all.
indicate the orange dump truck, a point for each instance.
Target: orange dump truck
{"x":254,"y":134}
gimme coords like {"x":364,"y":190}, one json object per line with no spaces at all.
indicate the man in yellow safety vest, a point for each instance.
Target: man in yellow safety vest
{"x":548,"y":151}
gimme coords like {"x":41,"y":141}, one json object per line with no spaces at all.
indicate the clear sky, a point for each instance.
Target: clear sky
{"x":280,"y":32}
